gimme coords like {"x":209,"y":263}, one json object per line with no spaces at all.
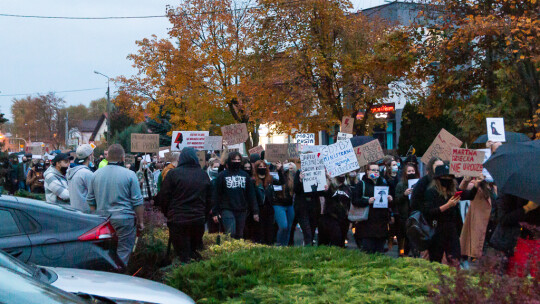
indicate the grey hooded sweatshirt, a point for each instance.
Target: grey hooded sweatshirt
{"x":79,"y":178}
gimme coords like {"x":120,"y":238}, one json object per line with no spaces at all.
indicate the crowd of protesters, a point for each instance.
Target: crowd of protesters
{"x":265,"y":202}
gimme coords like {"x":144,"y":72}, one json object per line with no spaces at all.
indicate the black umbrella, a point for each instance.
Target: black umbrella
{"x":515,"y":167}
{"x":511,"y":137}
{"x":360,"y":140}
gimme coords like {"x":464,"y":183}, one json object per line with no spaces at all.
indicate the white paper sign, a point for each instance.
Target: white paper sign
{"x":412,"y":182}
{"x":313,"y":170}
{"x":495,"y":129}
{"x":339,"y":158}
{"x":212,"y":143}
{"x":381,"y":197}
{"x":182,"y":139}
{"x":464,"y":208}
{"x":162,"y":153}
{"x":487,"y":155}
{"x":36,"y":156}
{"x":343,"y":136}
{"x":147,"y":158}
{"x":311,"y":149}
{"x":305,"y":139}
{"x":275,"y":176}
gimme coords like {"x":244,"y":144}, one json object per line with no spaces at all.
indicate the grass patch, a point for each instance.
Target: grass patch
{"x":241,"y":272}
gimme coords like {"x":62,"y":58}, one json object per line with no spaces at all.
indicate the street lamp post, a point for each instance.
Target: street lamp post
{"x":108,"y":107}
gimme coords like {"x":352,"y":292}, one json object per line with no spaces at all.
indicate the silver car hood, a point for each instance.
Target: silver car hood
{"x":117,"y":286}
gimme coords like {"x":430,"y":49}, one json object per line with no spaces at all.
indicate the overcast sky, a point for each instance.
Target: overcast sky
{"x":42,"y":55}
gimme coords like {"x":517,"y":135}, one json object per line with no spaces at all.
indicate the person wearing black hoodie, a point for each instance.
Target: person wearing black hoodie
{"x":333,"y":223}
{"x":185,"y":194}
{"x":234,"y":196}
{"x":371,"y":234}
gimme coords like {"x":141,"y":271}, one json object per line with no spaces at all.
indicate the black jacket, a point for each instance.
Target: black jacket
{"x":434,"y":200}
{"x":338,"y":203}
{"x":419,"y":191}
{"x":305,"y":202}
{"x":235,"y":191}
{"x":265,"y":195}
{"x":510,"y":213}
{"x":376,"y":225}
{"x":186,"y":191}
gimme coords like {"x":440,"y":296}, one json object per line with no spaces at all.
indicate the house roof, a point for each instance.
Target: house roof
{"x":88,"y":125}
{"x":100,"y":122}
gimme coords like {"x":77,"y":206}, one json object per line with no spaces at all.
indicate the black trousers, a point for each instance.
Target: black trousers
{"x":187,"y":240}
{"x":332,"y":232}
{"x":445,"y":240}
{"x":308,"y":218}
{"x":263,"y":232}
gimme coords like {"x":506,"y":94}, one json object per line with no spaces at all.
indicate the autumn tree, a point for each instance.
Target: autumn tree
{"x":481,"y":59}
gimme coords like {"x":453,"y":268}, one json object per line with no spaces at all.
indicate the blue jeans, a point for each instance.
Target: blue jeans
{"x":284,"y":216}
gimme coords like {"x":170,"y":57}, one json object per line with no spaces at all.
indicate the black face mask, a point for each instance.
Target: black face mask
{"x":63,"y":170}
{"x":446,"y":182}
{"x":235,"y":165}
{"x":411,"y":176}
{"x":340,"y":179}
{"x":261,"y":171}
{"x":40,"y":168}
{"x":248,"y":171}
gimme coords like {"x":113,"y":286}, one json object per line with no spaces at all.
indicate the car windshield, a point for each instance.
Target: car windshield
{"x":12,"y":263}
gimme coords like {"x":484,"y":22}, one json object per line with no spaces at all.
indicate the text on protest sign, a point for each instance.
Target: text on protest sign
{"x":370,"y":152}
{"x":234,"y":134}
{"x":381,"y":197}
{"x":343,"y":136}
{"x":466,"y":162}
{"x":182,"y":139}
{"x":35,"y":149}
{"x":442,"y":147}
{"x":256,"y":150}
{"x":212,"y":143}
{"x":305,"y":139}
{"x":313,"y":170}
{"x":276,"y":152}
{"x":347,"y":125}
{"x":339,"y":158}
{"x":292,"y":151}
{"x":148,"y":143}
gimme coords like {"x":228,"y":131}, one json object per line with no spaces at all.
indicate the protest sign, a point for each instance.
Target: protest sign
{"x":305,"y":139}
{"x":466,"y":162}
{"x":182,"y":139}
{"x":343,"y":136}
{"x":256,"y":150}
{"x":370,"y":152}
{"x":276,"y":152}
{"x":339,"y":158}
{"x":292,"y":152}
{"x":347,"y":125}
{"x":411,"y":183}
{"x":495,"y":129}
{"x":487,"y":155}
{"x":35,"y":149}
{"x":212,"y":143}
{"x":442,"y":147}
{"x":313,"y":170}
{"x":234,"y":134}
{"x":162,"y":153}
{"x":310,"y":149}
{"x":202,"y":158}
{"x":147,"y":158}
{"x":148,"y":143}
{"x":381,"y":197}
{"x":36,"y":156}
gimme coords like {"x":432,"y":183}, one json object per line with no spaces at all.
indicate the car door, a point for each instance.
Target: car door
{"x":13,"y":239}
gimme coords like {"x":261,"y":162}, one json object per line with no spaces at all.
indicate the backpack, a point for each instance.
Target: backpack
{"x":419,"y":231}
{"x":359,"y":214}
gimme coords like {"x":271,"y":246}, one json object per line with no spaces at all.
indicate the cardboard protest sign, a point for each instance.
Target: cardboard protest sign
{"x":276,"y":152}
{"x":347,"y":125}
{"x":292,"y":151}
{"x":147,"y":143}
{"x":442,"y":147}
{"x":343,"y":136}
{"x":339,"y":158}
{"x":466,"y":162}
{"x":411,"y":183}
{"x":495,"y":129}
{"x":370,"y":152}
{"x":256,"y":150}
{"x":182,"y":139}
{"x":234,"y":134}
{"x":202,"y":158}
{"x":381,"y":197}
{"x":212,"y":143}
{"x":313,"y":170}
{"x":305,"y":139}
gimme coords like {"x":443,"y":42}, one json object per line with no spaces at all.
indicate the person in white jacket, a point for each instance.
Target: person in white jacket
{"x":79,"y":177}
{"x":56,"y":185}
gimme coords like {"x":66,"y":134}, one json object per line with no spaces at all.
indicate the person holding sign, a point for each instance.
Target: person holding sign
{"x":442,"y":210}
{"x":402,"y":203}
{"x":371,"y":235}
{"x":234,"y":196}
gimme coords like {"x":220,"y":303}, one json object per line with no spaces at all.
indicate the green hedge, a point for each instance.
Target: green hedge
{"x":303,"y":275}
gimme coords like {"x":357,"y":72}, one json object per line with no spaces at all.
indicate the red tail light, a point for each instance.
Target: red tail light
{"x":103,"y":231}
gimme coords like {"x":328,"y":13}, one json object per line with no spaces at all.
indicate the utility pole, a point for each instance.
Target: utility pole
{"x":67,"y":130}
{"x":108,"y":107}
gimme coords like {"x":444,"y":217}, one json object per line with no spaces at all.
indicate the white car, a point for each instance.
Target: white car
{"x":121,"y":289}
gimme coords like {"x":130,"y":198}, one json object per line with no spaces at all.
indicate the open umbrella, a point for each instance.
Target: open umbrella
{"x":511,"y":137}
{"x":515,"y":167}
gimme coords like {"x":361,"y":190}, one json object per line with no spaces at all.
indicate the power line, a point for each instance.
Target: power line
{"x":66,"y":91}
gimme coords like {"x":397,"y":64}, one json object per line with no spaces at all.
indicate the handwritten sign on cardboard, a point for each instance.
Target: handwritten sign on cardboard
{"x":182,"y":139}
{"x":256,"y":150}
{"x":202,"y":158}
{"x":276,"y":152}
{"x":212,"y":143}
{"x":370,"y":152}
{"x":466,"y":162}
{"x":234,"y":134}
{"x":148,"y":143}
{"x":442,"y":147}
{"x":339,"y":158}
{"x":347,"y":125}
{"x":313,"y":170}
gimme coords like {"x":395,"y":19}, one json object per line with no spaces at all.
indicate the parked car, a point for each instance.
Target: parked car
{"x":97,"y":284}
{"x":58,"y":236}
